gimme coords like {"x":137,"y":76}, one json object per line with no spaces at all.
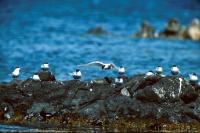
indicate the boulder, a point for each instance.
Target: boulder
{"x":193,"y":30}
{"x":46,"y":76}
{"x":168,"y":89}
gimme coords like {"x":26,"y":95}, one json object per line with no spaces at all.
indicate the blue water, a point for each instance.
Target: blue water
{"x":7,"y":128}
{"x":32,"y":32}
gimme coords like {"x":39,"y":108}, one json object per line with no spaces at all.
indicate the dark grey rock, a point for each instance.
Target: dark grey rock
{"x":38,"y":107}
{"x":94,"y":110}
{"x":170,"y":89}
{"x":171,"y":97}
{"x":46,"y":76}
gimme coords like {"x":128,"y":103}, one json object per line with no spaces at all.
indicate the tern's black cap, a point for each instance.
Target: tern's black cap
{"x":194,"y":73}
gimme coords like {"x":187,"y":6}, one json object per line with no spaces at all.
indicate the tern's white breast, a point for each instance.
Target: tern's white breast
{"x":36,"y":77}
{"x":149,"y":74}
{"x":121,"y":70}
{"x":159,"y":69}
{"x":16,"y":72}
{"x":193,"y":77}
{"x":119,"y":80}
{"x":46,"y":66}
{"x":175,"y":69}
{"x":77,"y":73}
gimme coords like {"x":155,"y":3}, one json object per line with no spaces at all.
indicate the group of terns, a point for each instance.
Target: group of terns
{"x":193,"y":78}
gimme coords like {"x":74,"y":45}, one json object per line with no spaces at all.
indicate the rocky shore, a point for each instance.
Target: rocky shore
{"x":157,"y":103}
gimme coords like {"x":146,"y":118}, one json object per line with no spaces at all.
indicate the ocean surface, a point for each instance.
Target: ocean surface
{"x":55,"y":31}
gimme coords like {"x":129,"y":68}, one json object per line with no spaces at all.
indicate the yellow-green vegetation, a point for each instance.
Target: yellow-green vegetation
{"x":74,"y":122}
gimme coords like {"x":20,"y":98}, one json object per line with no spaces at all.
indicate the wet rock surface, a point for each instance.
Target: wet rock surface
{"x":171,"y":98}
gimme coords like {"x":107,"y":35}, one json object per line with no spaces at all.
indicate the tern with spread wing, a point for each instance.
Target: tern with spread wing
{"x":104,"y":66}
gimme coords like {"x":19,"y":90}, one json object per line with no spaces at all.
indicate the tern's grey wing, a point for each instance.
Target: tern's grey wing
{"x":94,"y":63}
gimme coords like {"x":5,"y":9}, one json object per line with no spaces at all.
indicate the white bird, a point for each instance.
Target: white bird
{"x":119,"y":80}
{"x":193,"y":77}
{"x":104,"y":66}
{"x":77,"y":74}
{"x":121,"y":70}
{"x":159,"y":70}
{"x":36,"y":77}
{"x":45,"y":66}
{"x":175,"y":70}
{"x":16,"y":72}
{"x":149,"y":74}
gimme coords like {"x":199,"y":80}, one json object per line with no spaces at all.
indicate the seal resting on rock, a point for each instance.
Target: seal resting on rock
{"x":146,"y":31}
{"x":193,"y":30}
{"x":173,"y":29}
